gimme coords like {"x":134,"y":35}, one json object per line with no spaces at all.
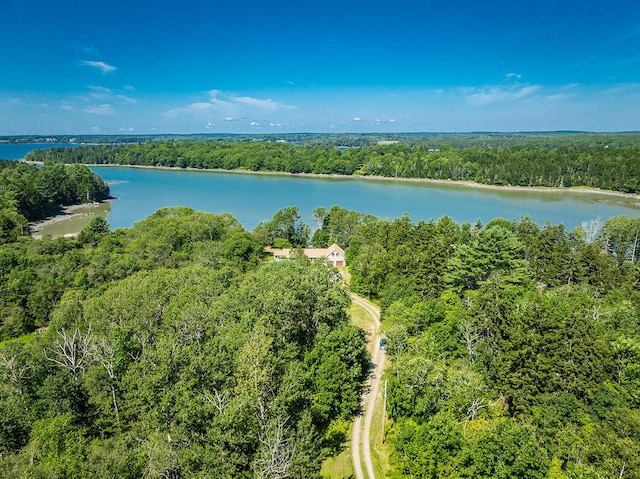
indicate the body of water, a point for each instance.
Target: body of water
{"x":253,"y":198}
{"x":17,"y":151}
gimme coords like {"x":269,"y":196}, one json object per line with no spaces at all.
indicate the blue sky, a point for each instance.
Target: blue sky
{"x":139,"y":67}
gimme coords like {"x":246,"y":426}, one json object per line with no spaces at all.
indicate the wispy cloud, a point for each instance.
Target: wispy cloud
{"x":107,"y":95}
{"x":487,"y":95}
{"x":629,"y":35}
{"x":66,"y":106}
{"x":626,"y":89}
{"x":102,"y":66}
{"x":230,"y":105}
{"x":101,"y":110}
{"x":267,"y":104}
{"x":99,"y":92}
{"x":127,"y":99}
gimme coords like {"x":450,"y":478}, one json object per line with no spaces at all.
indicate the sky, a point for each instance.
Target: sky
{"x":234,"y":66}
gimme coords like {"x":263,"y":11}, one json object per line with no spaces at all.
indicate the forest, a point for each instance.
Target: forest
{"x":177,"y":348}
{"x":171,"y":349}
{"x":29,"y":193}
{"x":594,"y":162}
{"x":513,"y":348}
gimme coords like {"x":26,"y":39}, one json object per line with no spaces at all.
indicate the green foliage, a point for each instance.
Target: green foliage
{"x":493,"y":252}
{"x":95,"y":229}
{"x":286,"y":229}
{"x":35,"y":193}
{"x":183,"y":357}
{"x":503,"y":449}
{"x":554,"y":160}
{"x":513,"y":347}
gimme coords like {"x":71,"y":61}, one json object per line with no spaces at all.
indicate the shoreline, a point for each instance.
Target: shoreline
{"x":458,"y":183}
{"x":67,"y":213}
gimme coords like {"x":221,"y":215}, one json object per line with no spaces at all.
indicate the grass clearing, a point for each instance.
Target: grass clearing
{"x":360,"y":318}
{"x":379,"y":450}
{"x":341,"y":466}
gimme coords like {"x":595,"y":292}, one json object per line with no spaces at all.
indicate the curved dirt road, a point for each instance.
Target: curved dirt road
{"x":360,"y":438}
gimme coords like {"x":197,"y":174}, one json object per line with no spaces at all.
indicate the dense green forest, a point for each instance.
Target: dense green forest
{"x":598,"y":165}
{"x":29,"y":193}
{"x":176,"y":348}
{"x":172,"y":350}
{"x":514,"y":349}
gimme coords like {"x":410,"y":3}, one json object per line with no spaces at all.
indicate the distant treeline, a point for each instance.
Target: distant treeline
{"x":458,"y":140}
{"x":597,"y":165}
{"x":29,"y":193}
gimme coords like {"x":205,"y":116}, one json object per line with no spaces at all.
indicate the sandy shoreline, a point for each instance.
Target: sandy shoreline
{"x":460,"y":183}
{"x":68,"y":213}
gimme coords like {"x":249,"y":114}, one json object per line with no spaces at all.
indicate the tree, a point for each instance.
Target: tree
{"x":71,"y":352}
{"x":620,"y":237}
{"x":493,"y":251}
{"x":95,"y":229}
{"x":287,"y":225}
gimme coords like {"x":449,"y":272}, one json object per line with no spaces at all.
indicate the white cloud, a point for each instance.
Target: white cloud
{"x":200,"y":106}
{"x":99,"y":92}
{"x":228,"y":106}
{"x":517,"y":76}
{"x":557,"y":97}
{"x":487,"y":95}
{"x":267,"y":104}
{"x":102,"y":110}
{"x":102,"y":66}
{"x":104,"y":93}
{"x":357,"y":118}
{"x":629,"y":89}
{"x":127,"y":99}
{"x":100,"y":89}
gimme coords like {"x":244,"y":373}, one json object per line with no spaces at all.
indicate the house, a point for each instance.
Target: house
{"x":334,"y":254}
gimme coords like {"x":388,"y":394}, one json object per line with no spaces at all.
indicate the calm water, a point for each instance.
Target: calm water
{"x":253,"y":198}
{"x":11,"y":151}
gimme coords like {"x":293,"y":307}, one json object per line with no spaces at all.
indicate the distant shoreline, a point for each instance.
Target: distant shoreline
{"x":460,"y":183}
